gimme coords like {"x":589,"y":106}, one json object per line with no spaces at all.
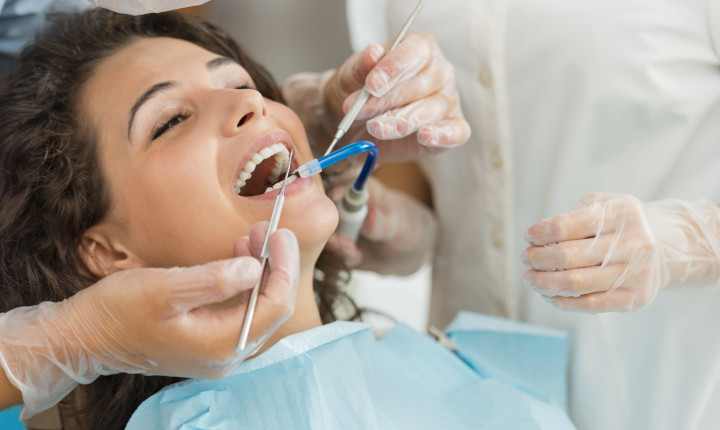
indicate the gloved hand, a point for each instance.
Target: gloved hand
{"x":415,"y":107}
{"x":139,"y":7}
{"x":615,"y":253}
{"x":397,"y":236}
{"x":149,"y":321}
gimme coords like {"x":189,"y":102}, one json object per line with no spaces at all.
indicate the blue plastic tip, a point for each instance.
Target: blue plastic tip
{"x":310,"y":168}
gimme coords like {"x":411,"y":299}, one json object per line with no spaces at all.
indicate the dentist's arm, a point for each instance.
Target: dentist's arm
{"x":149,"y":321}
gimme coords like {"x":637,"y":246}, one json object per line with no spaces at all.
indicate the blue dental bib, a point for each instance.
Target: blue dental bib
{"x":339,"y":376}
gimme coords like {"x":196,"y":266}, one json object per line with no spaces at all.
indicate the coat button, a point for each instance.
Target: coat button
{"x":485,"y":77}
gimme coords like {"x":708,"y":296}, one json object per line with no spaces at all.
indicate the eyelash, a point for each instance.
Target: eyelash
{"x":182,"y":116}
{"x":167,"y":125}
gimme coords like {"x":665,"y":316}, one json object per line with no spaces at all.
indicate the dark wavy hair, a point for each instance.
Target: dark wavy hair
{"x":52,"y":189}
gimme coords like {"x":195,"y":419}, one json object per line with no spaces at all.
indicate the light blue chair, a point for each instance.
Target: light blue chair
{"x":10,"y":419}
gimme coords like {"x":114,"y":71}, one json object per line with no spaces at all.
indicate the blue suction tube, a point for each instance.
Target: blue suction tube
{"x":317,"y":165}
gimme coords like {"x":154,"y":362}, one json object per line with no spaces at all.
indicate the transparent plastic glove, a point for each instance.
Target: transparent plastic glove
{"x":397,"y":236}
{"x":149,"y":321}
{"x":415,"y":111}
{"x":615,"y":253}
{"x":139,"y":7}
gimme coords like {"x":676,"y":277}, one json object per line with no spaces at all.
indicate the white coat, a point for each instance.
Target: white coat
{"x":566,"y":97}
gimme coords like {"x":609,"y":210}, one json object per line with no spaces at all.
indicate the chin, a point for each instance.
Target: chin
{"x":313,"y":224}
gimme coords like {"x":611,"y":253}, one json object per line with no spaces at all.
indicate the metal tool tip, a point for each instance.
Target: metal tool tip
{"x":282,"y":190}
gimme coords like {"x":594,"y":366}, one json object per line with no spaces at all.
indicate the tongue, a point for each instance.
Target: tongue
{"x":260,"y":179}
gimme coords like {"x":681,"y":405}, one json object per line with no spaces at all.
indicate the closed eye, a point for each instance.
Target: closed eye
{"x":180,"y":117}
{"x":169,"y":124}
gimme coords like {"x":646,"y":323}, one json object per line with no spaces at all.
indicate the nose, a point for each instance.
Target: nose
{"x":245,"y":107}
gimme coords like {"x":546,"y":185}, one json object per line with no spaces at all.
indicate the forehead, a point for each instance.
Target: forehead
{"x":155,"y":57}
{"x":125,"y":74}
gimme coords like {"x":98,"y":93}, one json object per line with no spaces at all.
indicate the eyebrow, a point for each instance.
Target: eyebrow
{"x":145,"y":97}
{"x":213,"y":64}
{"x":220,"y":61}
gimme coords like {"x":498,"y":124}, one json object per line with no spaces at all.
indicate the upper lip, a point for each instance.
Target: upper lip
{"x":269,"y":138}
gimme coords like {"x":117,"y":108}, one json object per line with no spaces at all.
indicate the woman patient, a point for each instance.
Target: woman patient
{"x":149,"y":142}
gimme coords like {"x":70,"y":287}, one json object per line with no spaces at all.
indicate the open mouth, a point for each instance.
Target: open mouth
{"x":265,"y":170}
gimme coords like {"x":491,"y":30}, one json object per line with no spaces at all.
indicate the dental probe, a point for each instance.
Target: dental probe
{"x":359,"y":102}
{"x":274,"y":219}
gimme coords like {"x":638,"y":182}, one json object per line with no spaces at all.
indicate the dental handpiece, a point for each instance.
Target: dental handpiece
{"x":362,"y":98}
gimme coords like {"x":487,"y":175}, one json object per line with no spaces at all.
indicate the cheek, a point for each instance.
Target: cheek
{"x":173,"y":212}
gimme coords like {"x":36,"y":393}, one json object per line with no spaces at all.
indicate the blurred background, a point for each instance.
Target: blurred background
{"x":286,"y":36}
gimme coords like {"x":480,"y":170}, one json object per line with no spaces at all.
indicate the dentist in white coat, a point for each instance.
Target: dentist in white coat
{"x":566,"y":98}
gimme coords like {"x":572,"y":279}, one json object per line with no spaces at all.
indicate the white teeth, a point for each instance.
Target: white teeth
{"x":277,"y":186}
{"x":282,"y":159}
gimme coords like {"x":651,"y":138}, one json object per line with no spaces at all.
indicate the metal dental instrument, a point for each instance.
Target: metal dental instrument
{"x":274,"y":219}
{"x":359,"y":102}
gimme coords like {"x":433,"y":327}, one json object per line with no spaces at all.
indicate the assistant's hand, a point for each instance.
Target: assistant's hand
{"x":615,"y":253}
{"x":397,"y":236}
{"x":177,"y":322}
{"x":415,"y":107}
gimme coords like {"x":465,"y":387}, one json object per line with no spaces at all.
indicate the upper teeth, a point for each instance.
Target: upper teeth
{"x":282,"y":159}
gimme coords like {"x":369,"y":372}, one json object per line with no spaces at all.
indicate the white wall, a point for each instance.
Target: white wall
{"x":287,"y":36}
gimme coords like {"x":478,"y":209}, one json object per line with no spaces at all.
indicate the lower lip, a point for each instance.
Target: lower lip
{"x":297,"y":186}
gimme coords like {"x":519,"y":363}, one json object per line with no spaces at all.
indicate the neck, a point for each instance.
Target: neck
{"x":306,"y":315}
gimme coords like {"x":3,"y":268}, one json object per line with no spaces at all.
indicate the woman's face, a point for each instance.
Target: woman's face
{"x":178,"y":130}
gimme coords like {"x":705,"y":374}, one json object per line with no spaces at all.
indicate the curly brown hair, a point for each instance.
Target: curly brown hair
{"x":52,"y":189}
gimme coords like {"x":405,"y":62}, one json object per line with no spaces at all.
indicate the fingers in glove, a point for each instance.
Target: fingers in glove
{"x":572,"y":254}
{"x":275,"y":304}
{"x":381,"y":222}
{"x":407,"y":120}
{"x":242,"y":247}
{"x":192,"y":287}
{"x":276,"y":301}
{"x":257,"y":237}
{"x":351,"y":75}
{"x":586,"y":280}
{"x":418,"y":87}
{"x":346,"y":248}
{"x":367,"y":60}
{"x":619,"y":300}
{"x":448,"y":133}
{"x":413,"y":54}
{"x":595,"y":218}
{"x":379,"y":226}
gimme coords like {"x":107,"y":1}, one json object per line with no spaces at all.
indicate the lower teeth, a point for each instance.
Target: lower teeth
{"x":277,"y":186}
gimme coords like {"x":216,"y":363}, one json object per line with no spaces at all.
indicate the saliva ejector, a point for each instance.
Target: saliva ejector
{"x":353,"y":206}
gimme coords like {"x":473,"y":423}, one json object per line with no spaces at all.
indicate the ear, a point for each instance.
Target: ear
{"x":101,"y":255}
